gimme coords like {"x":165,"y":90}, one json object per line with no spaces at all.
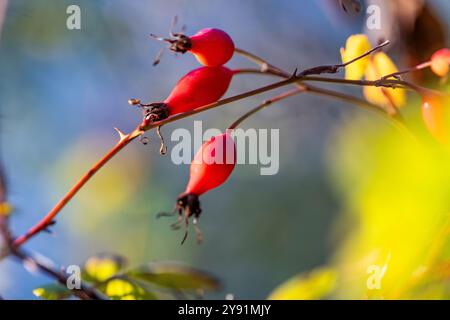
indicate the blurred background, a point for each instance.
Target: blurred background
{"x":62,"y":92}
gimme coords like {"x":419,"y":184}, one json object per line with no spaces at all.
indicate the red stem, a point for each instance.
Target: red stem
{"x":47,"y":220}
{"x":147,"y":125}
{"x":125,"y":140}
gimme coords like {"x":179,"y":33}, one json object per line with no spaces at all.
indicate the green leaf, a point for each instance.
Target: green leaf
{"x":175,"y":276}
{"x":52,"y":292}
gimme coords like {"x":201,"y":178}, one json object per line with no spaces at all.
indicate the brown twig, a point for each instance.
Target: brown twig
{"x":270,"y":71}
{"x":265,"y":67}
{"x":48,"y":219}
{"x":265,"y":104}
{"x":418,"y":67}
{"x":395,"y":119}
{"x":336,"y":67}
{"x":147,"y":124}
{"x":85,"y":292}
{"x":382,"y":82}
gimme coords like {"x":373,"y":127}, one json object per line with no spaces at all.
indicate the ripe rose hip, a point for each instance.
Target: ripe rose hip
{"x":212,"y":47}
{"x":440,"y":62}
{"x":212,"y":164}
{"x":210,"y":168}
{"x":198,"y":88}
{"x":436,"y":115}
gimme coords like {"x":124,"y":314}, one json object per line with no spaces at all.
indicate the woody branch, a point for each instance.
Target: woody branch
{"x":298,"y":79}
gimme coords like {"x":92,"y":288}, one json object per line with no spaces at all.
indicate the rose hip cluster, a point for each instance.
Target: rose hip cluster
{"x":215,"y":160}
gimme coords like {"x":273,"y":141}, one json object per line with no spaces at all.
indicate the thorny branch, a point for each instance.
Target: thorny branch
{"x":85,"y":292}
{"x":265,"y":68}
{"x":298,"y":79}
{"x":124,"y":141}
{"x":6,"y":248}
{"x":6,"y":237}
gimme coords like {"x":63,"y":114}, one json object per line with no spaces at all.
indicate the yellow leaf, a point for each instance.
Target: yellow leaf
{"x":314,"y":285}
{"x":38,"y":292}
{"x":379,"y":66}
{"x":395,"y":194}
{"x":355,"y":46}
{"x":119,"y":288}
{"x":101,"y":268}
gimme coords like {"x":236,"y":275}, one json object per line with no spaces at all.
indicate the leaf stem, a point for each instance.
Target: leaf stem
{"x":265,"y":104}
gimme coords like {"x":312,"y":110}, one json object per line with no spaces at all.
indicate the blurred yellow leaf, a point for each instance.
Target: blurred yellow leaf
{"x":118,"y":287}
{"x":379,"y":66}
{"x":355,"y":46}
{"x":396,"y":193}
{"x":314,"y":285}
{"x":127,"y":289}
{"x":100,"y":268}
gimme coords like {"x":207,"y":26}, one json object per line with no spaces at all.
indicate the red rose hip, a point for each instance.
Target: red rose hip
{"x":212,"y":47}
{"x":212,"y":165}
{"x":198,"y":88}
